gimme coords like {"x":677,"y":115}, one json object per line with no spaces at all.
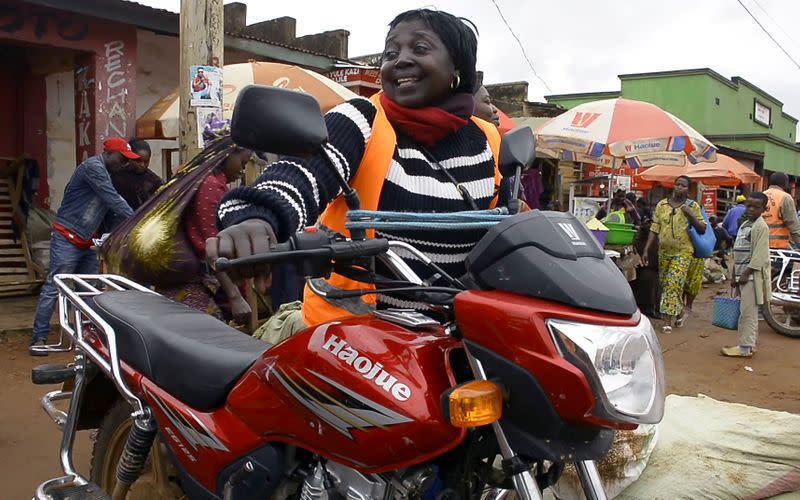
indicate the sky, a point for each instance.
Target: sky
{"x":582,"y":45}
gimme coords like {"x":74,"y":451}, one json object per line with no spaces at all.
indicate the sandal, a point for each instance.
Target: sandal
{"x":666,"y":329}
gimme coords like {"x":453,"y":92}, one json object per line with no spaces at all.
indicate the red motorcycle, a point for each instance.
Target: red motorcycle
{"x":537,"y":355}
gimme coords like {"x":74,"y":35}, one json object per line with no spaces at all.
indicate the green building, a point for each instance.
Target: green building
{"x":738,"y":117}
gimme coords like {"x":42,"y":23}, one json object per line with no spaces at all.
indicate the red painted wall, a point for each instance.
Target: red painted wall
{"x":34,"y":130}
{"x":10,"y":86}
{"x":105,"y":102}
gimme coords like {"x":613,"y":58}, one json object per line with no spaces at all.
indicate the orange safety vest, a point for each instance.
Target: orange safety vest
{"x":368,"y":181}
{"x":779,"y":236}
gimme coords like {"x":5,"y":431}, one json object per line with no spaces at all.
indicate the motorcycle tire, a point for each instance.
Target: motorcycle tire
{"x":158,"y":479}
{"x":782,"y":328}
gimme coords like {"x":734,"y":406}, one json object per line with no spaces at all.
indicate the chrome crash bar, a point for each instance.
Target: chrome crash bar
{"x":787,"y":280}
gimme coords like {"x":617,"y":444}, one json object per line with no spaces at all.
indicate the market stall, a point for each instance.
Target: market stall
{"x":614,"y":133}
{"x":587,"y":196}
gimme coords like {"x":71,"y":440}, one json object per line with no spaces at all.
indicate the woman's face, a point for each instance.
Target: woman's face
{"x":680,"y":189}
{"x":235,"y":164}
{"x":141,"y":165}
{"x":484,"y":109}
{"x":417,"y":70}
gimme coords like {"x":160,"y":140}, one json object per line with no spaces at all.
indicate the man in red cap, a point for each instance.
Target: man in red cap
{"x":88,"y":198}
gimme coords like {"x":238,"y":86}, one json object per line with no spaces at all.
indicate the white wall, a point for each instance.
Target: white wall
{"x":156,"y":75}
{"x":60,"y":133}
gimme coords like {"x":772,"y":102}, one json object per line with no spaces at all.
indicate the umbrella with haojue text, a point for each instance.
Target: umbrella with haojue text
{"x":613,"y":131}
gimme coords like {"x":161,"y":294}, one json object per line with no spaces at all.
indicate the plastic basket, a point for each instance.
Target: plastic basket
{"x":726,"y":313}
{"x":620,"y":234}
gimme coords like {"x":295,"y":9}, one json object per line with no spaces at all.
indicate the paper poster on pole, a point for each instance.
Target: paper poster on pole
{"x":205,"y":84}
{"x":206,"y":117}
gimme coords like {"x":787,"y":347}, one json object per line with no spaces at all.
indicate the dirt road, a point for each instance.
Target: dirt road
{"x":694,"y":366}
{"x":29,"y":440}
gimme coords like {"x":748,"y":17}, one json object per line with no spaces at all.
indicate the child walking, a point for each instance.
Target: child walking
{"x":750,"y":276}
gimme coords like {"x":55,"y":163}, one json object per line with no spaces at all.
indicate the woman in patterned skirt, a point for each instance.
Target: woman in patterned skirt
{"x":694,"y":279}
{"x":670,"y":228}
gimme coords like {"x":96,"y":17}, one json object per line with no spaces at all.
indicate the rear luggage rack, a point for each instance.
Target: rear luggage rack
{"x":75,"y":316}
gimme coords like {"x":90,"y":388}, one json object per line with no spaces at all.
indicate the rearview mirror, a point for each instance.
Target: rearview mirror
{"x":278,"y":121}
{"x":517,"y":149}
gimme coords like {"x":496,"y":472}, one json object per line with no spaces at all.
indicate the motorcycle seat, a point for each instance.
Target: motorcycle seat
{"x":191,"y":355}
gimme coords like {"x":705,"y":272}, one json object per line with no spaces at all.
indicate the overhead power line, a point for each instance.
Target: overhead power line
{"x":776,"y":23}
{"x":522,"y":47}
{"x":768,"y":34}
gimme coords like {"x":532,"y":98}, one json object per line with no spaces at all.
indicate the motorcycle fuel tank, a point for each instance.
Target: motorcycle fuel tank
{"x":359,"y":391}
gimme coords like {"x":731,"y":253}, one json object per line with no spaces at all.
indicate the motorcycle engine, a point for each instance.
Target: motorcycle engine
{"x":332,"y":479}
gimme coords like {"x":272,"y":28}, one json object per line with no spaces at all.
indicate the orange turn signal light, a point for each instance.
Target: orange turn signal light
{"x":475,"y":403}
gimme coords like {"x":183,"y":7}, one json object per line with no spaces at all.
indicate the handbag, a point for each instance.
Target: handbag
{"x":726,"y":312}
{"x":703,"y":243}
{"x":151,"y":246}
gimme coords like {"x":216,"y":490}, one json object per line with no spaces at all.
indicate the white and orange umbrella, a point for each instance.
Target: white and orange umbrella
{"x":726,"y":171}
{"x":161,"y":120}
{"x":611,"y":131}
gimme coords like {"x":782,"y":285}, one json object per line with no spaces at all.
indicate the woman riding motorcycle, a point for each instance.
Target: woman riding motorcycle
{"x":415,"y":147}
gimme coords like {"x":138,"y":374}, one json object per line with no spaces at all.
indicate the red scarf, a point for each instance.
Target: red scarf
{"x":430,"y":124}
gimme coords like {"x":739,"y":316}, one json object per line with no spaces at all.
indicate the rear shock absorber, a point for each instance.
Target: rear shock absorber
{"x":134,"y":456}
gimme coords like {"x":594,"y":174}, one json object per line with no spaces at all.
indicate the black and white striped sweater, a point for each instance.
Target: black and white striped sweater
{"x":292,"y":193}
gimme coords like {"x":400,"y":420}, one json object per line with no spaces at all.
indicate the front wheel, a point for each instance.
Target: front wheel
{"x":158,"y":479}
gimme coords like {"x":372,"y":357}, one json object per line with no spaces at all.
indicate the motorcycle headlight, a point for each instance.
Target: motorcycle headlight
{"x":624,"y":366}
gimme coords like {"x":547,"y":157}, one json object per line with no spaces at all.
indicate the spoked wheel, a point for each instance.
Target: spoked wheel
{"x":158,"y":478}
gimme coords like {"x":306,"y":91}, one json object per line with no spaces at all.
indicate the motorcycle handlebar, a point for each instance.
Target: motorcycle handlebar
{"x":285,"y":252}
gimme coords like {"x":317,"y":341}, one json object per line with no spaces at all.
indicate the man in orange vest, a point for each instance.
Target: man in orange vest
{"x":781,"y":213}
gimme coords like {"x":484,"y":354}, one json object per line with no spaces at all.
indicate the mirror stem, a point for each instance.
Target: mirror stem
{"x":513,"y":203}
{"x":350,"y":195}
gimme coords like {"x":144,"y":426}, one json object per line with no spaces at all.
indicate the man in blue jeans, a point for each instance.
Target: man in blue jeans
{"x":88,"y":198}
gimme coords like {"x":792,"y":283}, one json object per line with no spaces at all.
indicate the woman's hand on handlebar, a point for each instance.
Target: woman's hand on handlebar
{"x":250,"y":237}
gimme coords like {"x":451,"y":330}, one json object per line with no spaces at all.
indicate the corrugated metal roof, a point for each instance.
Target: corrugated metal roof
{"x":168,"y":13}
{"x":279,"y":44}
{"x":154,"y":9}
{"x":166,"y":22}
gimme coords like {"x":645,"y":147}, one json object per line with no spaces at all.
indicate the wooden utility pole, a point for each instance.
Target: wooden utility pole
{"x":202,"y":40}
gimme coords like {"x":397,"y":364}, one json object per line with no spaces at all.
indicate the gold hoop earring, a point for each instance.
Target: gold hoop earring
{"x":456,"y":82}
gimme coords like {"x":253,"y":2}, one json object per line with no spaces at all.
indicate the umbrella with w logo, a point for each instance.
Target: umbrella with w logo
{"x":611,"y":131}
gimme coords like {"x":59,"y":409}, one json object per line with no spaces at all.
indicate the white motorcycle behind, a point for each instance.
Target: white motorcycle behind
{"x":783,"y":313}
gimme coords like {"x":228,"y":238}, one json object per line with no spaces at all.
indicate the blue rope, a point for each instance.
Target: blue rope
{"x":371,"y":219}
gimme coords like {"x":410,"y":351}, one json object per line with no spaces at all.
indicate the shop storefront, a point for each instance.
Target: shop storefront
{"x":76,"y":75}
{"x":363,"y":81}
{"x":101,"y":56}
